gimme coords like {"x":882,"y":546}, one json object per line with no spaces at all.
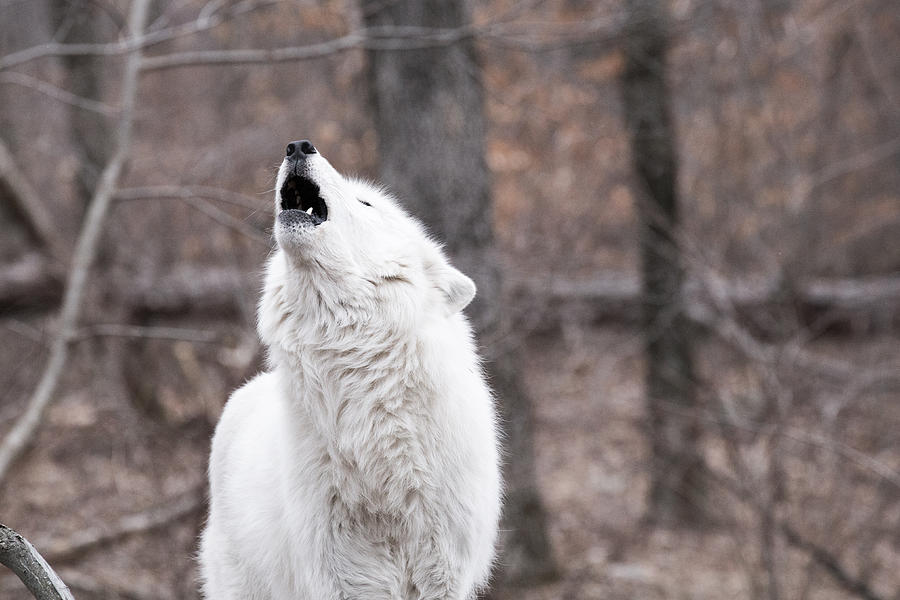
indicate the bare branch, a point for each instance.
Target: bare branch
{"x":25,"y":330}
{"x":861,"y":459}
{"x":721,"y":319}
{"x":795,"y":434}
{"x":825,"y":559}
{"x":154,"y":518}
{"x":26,"y":202}
{"x":195,"y":196}
{"x":864,"y":159}
{"x":818,"y":554}
{"x":223,"y":218}
{"x":85,"y":250}
{"x":29,"y":566}
{"x":56,"y":49}
{"x":528,"y":37}
{"x":879,"y":76}
{"x":66,"y":97}
{"x":189,"y":191}
{"x":253,"y":56}
{"x":136,"y":41}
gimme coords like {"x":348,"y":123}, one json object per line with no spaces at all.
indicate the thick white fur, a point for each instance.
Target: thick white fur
{"x":364,"y":464}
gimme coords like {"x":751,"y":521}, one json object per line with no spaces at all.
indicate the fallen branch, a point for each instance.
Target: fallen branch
{"x":138,"y":331}
{"x":189,"y":289}
{"x":21,"y":558}
{"x":618,"y":297}
{"x":29,"y":283}
{"x":85,"y":250}
{"x":155,"y":518}
{"x":830,"y":563}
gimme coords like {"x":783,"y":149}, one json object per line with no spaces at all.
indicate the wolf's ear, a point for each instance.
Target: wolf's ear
{"x":457,"y":289}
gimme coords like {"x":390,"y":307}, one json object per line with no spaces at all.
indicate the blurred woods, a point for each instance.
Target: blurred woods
{"x":683,"y":218}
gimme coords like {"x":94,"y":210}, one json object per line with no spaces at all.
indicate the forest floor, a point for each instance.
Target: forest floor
{"x":97,"y":458}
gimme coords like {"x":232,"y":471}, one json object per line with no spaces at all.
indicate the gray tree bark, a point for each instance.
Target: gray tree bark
{"x":676,"y":490}
{"x":429,"y":117}
{"x":82,"y":21}
{"x":21,"y":558}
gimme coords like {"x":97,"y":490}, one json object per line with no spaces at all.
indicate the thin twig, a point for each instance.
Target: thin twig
{"x":393,"y":38}
{"x":196,"y":196}
{"x":25,"y":330}
{"x":825,"y":559}
{"x":27,"y":203}
{"x":136,"y":41}
{"x":856,"y":162}
{"x":529,"y":37}
{"x":223,"y":218}
{"x":148,"y":520}
{"x":57,"y":93}
{"x":188,"y":191}
{"x":253,"y":56}
{"x":85,"y":250}
{"x":818,"y":554}
{"x":795,"y":434}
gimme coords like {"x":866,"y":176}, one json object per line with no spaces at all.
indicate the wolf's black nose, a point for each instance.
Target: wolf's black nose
{"x":303,"y":146}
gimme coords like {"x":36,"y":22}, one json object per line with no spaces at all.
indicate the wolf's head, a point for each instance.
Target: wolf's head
{"x":349,"y":246}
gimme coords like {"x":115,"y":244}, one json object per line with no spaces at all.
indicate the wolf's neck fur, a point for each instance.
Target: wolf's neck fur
{"x":363,"y":389}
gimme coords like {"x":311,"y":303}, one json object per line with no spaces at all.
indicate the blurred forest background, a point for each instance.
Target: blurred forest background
{"x":684,"y":219}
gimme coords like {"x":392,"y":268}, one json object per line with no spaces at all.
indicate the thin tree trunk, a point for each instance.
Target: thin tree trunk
{"x":676,"y":466}
{"x":26,"y":425}
{"x":428,"y":110}
{"x":81,"y":21}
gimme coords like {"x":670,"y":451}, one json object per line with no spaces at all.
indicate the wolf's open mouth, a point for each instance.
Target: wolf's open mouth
{"x":301,"y":193}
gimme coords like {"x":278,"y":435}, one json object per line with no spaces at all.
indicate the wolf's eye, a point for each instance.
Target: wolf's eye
{"x":364,"y":202}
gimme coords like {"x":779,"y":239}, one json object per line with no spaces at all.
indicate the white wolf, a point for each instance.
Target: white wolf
{"x":364,"y":465}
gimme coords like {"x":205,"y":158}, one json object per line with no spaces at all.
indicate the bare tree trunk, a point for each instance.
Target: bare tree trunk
{"x":430,"y":123}
{"x":83,"y":21}
{"x":676,"y":469}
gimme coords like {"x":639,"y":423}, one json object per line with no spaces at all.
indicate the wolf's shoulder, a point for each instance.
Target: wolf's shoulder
{"x":243,"y":407}
{"x":249,"y":397}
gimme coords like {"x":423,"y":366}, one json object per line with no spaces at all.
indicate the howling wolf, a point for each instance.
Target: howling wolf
{"x":364,"y":464}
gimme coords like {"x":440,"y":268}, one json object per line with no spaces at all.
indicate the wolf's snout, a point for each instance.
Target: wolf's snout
{"x":297,"y":150}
